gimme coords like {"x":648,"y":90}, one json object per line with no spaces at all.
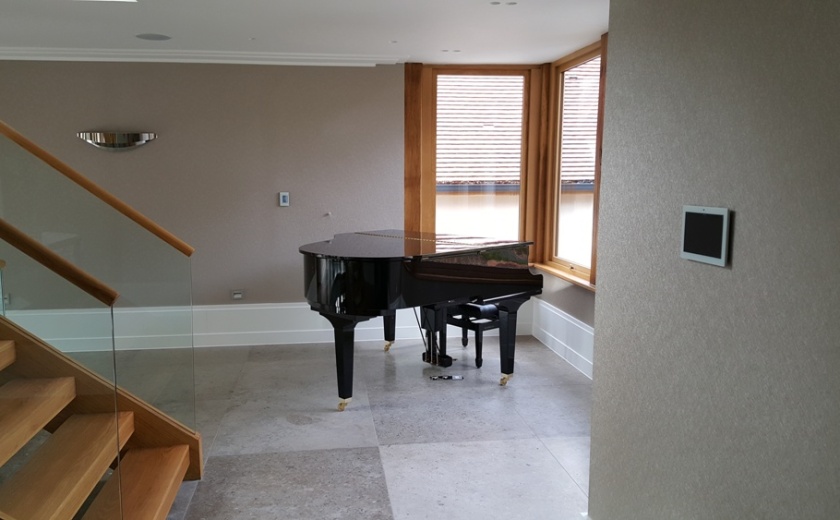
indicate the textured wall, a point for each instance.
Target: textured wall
{"x":230,"y":138}
{"x":716,"y":389}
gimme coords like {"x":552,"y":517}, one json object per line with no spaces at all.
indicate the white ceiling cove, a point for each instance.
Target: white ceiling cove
{"x":300,"y":32}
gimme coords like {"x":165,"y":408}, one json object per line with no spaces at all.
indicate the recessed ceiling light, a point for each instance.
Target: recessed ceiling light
{"x":151,"y":36}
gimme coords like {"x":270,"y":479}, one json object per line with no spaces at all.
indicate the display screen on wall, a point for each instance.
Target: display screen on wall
{"x":705,"y":234}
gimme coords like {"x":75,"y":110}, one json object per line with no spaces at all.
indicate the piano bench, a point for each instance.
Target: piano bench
{"x":476,"y":317}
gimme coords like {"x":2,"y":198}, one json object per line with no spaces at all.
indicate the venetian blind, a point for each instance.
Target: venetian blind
{"x":580,"y":122}
{"x":479,"y":129}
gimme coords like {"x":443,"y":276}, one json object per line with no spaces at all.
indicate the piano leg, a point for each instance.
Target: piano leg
{"x":344,"y":328}
{"x":434,"y":323}
{"x":507,"y":335}
{"x":389,"y":323}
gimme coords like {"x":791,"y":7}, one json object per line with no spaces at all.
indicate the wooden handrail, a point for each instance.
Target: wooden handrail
{"x":96,"y":190}
{"x":57,"y":264}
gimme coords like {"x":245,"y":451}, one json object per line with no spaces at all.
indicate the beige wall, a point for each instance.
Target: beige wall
{"x":230,"y":138}
{"x":716,"y":390}
{"x":571,"y":299}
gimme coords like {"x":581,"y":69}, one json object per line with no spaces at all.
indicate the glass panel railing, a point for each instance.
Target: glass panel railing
{"x":65,"y":317}
{"x":153,"y":315}
{"x":45,"y":304}
{"x":2,"y":292}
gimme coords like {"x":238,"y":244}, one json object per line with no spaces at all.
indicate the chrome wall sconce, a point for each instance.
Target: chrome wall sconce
{"x":116,"y":140}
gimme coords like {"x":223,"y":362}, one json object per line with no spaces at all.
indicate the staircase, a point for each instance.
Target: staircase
{"x":72,"y":444}
{"x":42,"y":389}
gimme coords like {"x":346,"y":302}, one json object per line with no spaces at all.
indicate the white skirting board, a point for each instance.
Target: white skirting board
{"x":90,"y":330}
{"x":83,"y":330}
{"x":289,"y":323}
{"x":569,"y":337}
{"x":283,"y":324}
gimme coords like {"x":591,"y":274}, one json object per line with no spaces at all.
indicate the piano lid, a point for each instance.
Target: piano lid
{"x":395,"y":243}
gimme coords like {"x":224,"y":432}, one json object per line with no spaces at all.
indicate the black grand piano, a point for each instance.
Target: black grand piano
{"x":357,"y":276}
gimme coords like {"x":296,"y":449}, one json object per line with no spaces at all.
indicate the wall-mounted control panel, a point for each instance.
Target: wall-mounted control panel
{"x":705,"y":235}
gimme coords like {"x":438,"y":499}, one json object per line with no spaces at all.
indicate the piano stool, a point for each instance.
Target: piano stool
{"x":475,"y":317}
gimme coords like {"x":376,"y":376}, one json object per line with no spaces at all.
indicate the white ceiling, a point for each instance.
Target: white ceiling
{"x":307,"y":32}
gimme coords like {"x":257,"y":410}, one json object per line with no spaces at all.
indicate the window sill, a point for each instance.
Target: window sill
{"x":566,"y":276}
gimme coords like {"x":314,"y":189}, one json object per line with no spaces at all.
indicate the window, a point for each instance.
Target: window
{"x":574,"y":165}
{"x":514,"y":147}
{"x":467,"y":153}
{"x":478,"y":154}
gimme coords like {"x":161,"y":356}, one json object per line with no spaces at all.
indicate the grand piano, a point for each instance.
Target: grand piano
{"x":358,"y":276}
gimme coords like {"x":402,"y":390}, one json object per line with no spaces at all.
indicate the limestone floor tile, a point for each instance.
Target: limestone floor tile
{"x":446,"y":413}
{"x":294,"y":353}
{"x":325,"y":484}
{"x":182,"y":501}
{"x":541,"y":365}
{"x":573,"y":454}
{"x":534,"y":363}
{"x":286,"y":378}
{"x":205,"y":416}
{"x":177,"y":398}
{"x":162,"y":377}
{"x":560,"y":410}
{"x":278,"y":448}
{"x":513,"y":479}
{"x":409,"y":407}
{"x":209,"y":415}
{"x":403,"y":367}
{"x":295,"y":421}
{"x":217,"y":370}
{"x":302,"y":385}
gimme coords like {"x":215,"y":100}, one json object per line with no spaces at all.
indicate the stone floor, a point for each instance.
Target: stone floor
{"x":407,"y":447}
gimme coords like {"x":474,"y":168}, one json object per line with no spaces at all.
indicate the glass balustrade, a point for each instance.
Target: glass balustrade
{"x":55,"y":310}
{"x":2,"y":292}
{"x":48,"y":306}
{"x":152,"y":347}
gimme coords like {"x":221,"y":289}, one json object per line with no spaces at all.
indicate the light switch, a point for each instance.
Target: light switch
{"x":283,"y":198}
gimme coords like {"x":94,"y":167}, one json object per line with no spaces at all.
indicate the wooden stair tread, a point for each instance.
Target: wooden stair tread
{"x":26,"y":405}
{"x":150,"y":480}
{"x":37,"y":359}
{"x":7,"y":353}
{"x":5,"y":516}
{"x":58,"y":478}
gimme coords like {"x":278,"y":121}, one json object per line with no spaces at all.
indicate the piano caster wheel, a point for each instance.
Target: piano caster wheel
{"x":343,"y":404}
{"x":388,"y":345}
{"x":505,"y":379}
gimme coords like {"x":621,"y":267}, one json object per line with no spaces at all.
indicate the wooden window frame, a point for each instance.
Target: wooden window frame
{"x":547,"y":260}
{"x":420,"y":139}
{"x":539,"y":193}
